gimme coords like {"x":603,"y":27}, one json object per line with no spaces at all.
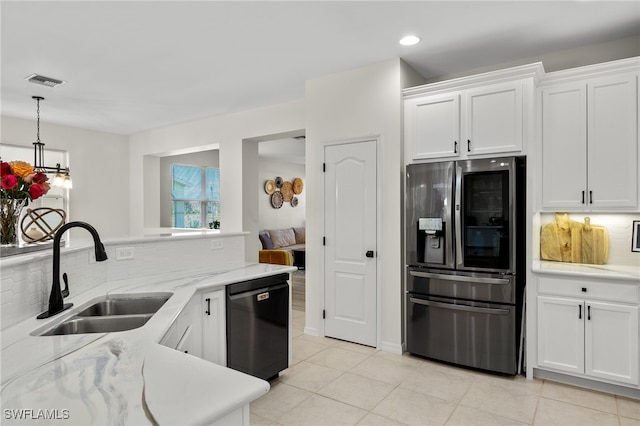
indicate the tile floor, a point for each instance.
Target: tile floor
{"x":338,"y":383}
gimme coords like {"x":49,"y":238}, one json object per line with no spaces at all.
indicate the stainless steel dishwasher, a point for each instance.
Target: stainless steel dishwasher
{"x":258,"y":326}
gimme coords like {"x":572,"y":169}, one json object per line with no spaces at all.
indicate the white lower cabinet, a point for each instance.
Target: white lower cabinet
{"x":586,"y":337}
{"x":200,"y":329}
{"x":214,"y":327}
{"x":184,"y":334}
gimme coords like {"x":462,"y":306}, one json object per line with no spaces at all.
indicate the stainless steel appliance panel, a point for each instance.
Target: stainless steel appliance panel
{"x":473,"y":334}
{"x":462,"y":285}
{"x":258,"y":326}
{"x":429,"y":198}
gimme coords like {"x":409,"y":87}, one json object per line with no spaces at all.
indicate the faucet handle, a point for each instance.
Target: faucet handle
{"x":65,"y":291}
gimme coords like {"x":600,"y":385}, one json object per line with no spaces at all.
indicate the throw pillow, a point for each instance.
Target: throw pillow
{"x":265,"y":239}
{"x":282,"y":237}
{"x":300,"y":235}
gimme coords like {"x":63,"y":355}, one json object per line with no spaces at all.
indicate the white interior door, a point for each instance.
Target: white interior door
{"x":350,"y":242}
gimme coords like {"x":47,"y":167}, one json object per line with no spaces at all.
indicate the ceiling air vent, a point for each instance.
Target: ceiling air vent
{"x":44,"y":81}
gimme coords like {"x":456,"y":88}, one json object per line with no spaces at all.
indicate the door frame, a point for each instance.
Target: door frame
{"x":377,"y":139}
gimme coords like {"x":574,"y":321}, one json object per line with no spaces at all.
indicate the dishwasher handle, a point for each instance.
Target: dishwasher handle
{"x":259,"y":293}
{"x":465,"y":308}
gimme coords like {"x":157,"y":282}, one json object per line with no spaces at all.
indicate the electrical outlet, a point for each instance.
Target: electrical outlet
{"x":216,"y":244}
{"x":123,"y":253}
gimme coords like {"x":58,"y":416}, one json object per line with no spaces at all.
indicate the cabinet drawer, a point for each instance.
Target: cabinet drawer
{"x":587,"y":289}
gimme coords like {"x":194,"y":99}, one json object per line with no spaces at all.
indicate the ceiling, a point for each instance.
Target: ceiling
{"x":133,"y":66}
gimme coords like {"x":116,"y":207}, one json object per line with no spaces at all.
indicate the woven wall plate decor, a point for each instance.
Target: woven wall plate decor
{"x":298,"y":186}
{"x":287,"y":191}
{"x":269,"y":187}
{"x":276,"y":200}
{"x":294,"y":201}
{"x":41,"y":224}
{"x":279,"y":181}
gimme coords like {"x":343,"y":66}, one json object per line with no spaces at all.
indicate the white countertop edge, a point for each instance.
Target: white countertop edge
{"x":606,"y":271}
{"x":87,"y":243}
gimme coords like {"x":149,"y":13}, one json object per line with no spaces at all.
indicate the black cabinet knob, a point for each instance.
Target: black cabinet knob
{"x":369,"y":253}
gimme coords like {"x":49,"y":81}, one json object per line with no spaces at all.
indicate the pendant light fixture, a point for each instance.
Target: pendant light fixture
{"x":62,"y":176}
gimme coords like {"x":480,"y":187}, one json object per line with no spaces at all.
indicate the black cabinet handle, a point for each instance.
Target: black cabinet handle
{"x":589,"y":313}
{"x":369,"y":253}
{"x":582,"y":197}
{"x":468,"y":145}
{"x":590,"y":197}
{"x":579,"y":311}
{"x":455,"y":147}
{"x":208,"y":311}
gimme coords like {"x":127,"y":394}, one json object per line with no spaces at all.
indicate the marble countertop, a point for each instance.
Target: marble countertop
{"x":124,"y":377}
{"x":606,"y":271}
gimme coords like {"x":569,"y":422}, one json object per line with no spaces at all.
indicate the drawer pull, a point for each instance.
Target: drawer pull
{"x":584,"y":289}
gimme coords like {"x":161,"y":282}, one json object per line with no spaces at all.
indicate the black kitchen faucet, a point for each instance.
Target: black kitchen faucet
{"x":57,"y":295}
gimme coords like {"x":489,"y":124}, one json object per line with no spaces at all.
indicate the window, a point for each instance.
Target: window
{"x":195,"y":195}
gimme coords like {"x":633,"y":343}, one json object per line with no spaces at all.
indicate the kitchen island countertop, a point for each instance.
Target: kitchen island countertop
{"x":123,"y":377}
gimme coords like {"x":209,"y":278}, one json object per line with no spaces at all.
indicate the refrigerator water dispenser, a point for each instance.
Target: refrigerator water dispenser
{"x":433,"y":233}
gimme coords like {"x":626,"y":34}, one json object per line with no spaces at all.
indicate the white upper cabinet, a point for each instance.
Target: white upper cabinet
{"x":479,"y":115}
{"x":432,"y":124}
{"x":612,"y":141}
{"x":494,"y":119}
{"x":590,"y":143}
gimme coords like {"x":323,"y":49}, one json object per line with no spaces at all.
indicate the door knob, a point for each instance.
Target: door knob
{"x":369,"y":253}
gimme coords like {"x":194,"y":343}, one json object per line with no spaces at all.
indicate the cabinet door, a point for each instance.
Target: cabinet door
{"x":611,"y":342}
{"x":214,"y":346}
{"x":564,"y":146}
{"x":561,"y":334}
{"x":494,"y":119}
{"x":432,"y":127}
{"x":613,"y":141}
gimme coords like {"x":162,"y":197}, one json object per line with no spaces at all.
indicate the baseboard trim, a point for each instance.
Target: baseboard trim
{"x":394,"y":348}
{"x":587,"y":383}
{"x":311,"y":331}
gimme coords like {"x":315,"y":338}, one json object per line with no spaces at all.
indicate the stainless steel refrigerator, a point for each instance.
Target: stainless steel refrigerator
{"x":465,"y":247}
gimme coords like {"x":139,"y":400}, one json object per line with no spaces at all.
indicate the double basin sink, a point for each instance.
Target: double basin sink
{"x":111,"y":313}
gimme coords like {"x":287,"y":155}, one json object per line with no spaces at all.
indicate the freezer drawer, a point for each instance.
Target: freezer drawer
{"x":481,"y":287}
{"x":473,"y":334}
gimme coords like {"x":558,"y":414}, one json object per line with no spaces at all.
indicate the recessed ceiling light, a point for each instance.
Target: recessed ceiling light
{"x":409,"y":40}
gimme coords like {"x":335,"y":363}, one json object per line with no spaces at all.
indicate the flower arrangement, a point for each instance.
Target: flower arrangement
{"x":20,"y":184}
{"x":21,"y":181}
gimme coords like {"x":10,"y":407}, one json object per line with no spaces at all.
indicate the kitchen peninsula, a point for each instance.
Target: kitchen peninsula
{"x":134,"y":376}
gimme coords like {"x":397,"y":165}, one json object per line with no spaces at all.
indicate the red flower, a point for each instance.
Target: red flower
{"x":9,"y":181}
{"x":5,"y":169}
{"x":36,"y":191}
{"x":40,"y":178}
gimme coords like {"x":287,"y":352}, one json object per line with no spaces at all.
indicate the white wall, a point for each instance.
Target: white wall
{"x":202,"y":159}
{"x":565,"y":59}
{"x":99,"y":168}
{"x":286,"y":216}
{"x":355,"y":104}
{"x":228,"y":133}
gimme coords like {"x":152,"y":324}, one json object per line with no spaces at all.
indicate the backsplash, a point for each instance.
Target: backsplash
{"x":619,"y":227}
{"x":25,"y":286}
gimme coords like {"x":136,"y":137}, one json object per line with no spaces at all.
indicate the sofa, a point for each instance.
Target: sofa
{"x":282,"y":246}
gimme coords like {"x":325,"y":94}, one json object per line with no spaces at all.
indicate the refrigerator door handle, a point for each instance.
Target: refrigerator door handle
{"x":459,"y":260}
{"x":492,"y":311}
{"x":463,"y":278}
